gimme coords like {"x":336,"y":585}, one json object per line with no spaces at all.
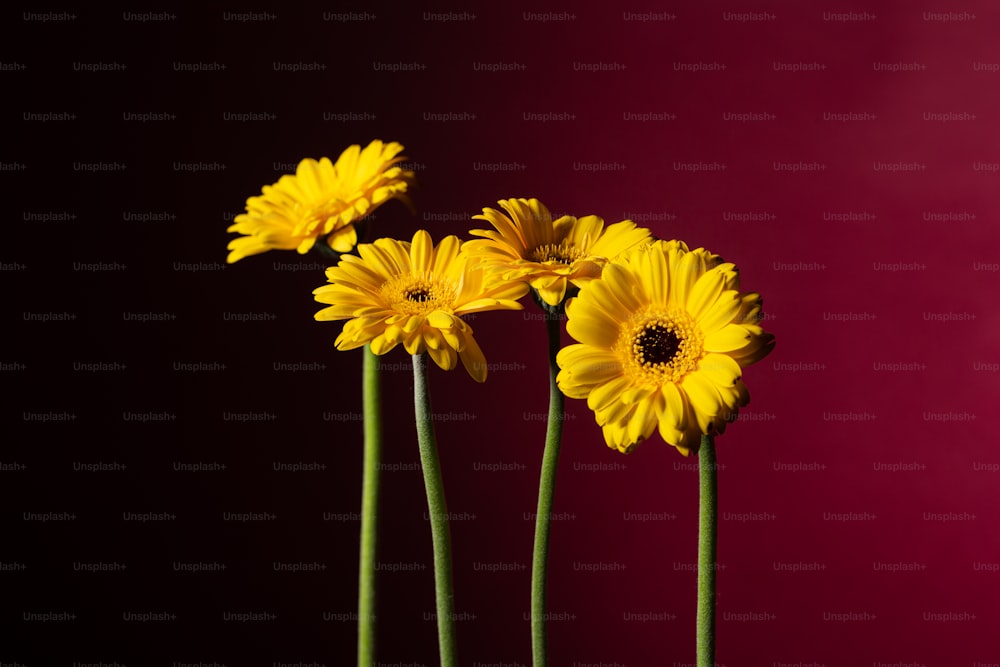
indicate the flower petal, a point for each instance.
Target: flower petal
{"x":720,"y":369}
{"x":704,"y":293}
{"x":473,"y":359}
{"x":586,"y":366}
{"x":728,"y":338}
{"x":602,"y":395}
{"x":724,"y":311}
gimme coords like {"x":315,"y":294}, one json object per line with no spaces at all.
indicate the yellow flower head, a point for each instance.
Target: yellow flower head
{"x":415,"y":294}
{"x":663,"y":336}
{"x":528,"y":245}
{"x":322,"y":199}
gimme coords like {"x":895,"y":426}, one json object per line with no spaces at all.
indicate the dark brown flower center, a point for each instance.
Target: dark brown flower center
{"x":556,"y":252}
{"x":418,"y":295}
{"x":656,"y":345}
{"x":661,"y":346}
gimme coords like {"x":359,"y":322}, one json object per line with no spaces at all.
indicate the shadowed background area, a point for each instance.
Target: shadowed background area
{"x":180,"y":468}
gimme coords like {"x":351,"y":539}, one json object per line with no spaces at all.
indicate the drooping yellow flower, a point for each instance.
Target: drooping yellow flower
{"x":322,"y":201}
{"x":663,"y":337}
{"x":528,"y":245}
{"x":414,"y":294}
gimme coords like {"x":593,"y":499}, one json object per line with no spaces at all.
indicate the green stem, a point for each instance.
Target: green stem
{"x":707,"y":529}
{"x":438,"y":513}
{"x":546,"y":490}
{"x":369,"y":507}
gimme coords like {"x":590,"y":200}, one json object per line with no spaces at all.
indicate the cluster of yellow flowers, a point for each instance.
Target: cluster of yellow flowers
{"x":663,"y":331}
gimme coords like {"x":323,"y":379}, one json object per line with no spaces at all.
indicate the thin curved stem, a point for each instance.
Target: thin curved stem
{"x":546,"y":491}
{"x":707,"y":530}
{"x":371,"y":412}
{"x":438,"y":510}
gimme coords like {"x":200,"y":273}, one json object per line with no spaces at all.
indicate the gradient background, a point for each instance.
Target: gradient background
{"x":858,"y":499}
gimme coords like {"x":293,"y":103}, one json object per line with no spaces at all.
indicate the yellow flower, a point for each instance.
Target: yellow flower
{"x":663,"y":336}
{"x":528,"y":245}
{"x":415,"y":294}
{"x":322,"y":199}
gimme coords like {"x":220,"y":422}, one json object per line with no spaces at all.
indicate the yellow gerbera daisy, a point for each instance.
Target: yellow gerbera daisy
{"x":528,"y":245}
{"x":663,"y":336}
{"x":415,"y":294}
{"x":322,"y":199}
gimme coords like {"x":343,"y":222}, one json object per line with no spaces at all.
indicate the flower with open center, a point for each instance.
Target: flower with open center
{"x":663,"y":337}
{"x":414,"y":294}
{"x":527,"y":245}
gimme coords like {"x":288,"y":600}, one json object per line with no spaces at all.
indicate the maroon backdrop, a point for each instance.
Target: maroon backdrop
{"x":846,"y":156}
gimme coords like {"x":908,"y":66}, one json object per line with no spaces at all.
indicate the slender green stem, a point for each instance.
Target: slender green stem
{"x":707,"y":529}
{"x":546,"y":490}
{"x":369,"y":507}
{"x":438,"y":513}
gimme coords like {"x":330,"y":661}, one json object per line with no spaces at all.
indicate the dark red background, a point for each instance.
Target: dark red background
{"x":858,"y":495}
